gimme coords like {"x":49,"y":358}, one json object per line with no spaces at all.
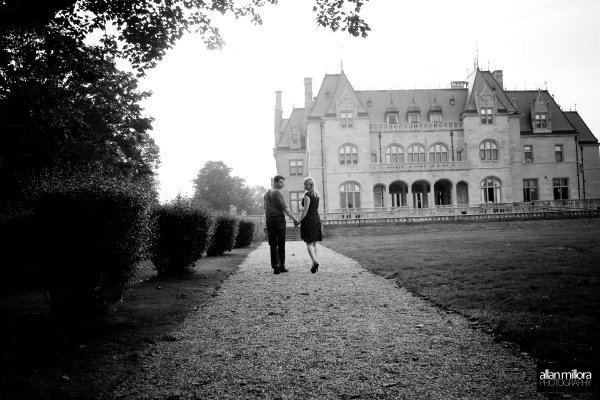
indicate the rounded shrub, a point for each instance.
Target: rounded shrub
{"x":245,"y":233}
{"x":182,"y":230}
{"x":91,"y":231}
{"x":223,"y":234}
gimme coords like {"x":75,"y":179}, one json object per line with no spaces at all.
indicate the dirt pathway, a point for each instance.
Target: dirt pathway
{"x":341,"y":333}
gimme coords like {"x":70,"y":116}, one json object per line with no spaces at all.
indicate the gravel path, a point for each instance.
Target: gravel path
{"x":342,"y":333}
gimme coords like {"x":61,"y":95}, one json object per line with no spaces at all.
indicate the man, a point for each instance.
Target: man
{"x":275,"y":208}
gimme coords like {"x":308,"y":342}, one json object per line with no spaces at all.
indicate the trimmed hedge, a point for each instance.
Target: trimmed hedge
{"x":245,"y":233}
{"x":91,"y":232}
{"x":182,"y":230}
{"x":224,"y":234}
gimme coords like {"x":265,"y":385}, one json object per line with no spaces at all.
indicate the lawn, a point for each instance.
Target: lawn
{"x":536,"y":283}
{"x":43,"y":359}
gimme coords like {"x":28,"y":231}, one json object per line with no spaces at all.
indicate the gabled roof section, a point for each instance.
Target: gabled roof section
{"x":524,"y":99}
{"x":585,"y":134}
{"x":479,"y":81}
{"x":333,"y":88}
{"x":451,"y":101}
{"x":297,"y":117}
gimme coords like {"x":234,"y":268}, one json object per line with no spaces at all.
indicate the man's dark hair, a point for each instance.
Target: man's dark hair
{"x":277,"y":178}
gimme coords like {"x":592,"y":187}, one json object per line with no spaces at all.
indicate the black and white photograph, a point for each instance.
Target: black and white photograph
{"x":299,"y":199}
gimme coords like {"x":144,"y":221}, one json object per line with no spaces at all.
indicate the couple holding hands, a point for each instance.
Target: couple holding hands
{"x":309,"y":221}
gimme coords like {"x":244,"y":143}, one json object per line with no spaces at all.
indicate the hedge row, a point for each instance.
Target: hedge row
{"x":90,"y":231}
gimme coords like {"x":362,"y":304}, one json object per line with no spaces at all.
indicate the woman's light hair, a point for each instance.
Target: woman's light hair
{"x":312,"y":186}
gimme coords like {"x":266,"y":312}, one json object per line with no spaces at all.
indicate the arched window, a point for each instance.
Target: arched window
{"x":348,"y":155}
{"x":416,"y":153}
{"x":491,"y":190}
{"x":488,"y":150}
{"x":394,"y":154}
{"x":438,"y":152}
{"x":350,"y":195}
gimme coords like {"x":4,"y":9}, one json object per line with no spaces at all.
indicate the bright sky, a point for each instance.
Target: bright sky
{"x":219,"y":105}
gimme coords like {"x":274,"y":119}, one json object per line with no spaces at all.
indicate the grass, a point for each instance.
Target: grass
{"x":43,"y":359}
{"x":536,"y":283}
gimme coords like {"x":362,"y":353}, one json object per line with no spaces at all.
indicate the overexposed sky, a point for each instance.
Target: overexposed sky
{"x":218,"y":105}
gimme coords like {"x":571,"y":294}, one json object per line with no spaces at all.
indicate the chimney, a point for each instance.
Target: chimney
{"x":308,"y":95}
{"x":278,"y":117}
{"x":499,"y":78}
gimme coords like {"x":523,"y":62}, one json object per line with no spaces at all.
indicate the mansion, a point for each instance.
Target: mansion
{"x":469,"y":144}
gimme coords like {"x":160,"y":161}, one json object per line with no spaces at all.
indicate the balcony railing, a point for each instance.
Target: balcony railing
{"x":391,"y":214}
{"x":416,"y":126}
{"x":425,"y":166}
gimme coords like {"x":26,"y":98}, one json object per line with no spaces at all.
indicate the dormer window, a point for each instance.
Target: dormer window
{"x":346,"y":109}
{"x":486,"y":104}
{"x":413,"y":114}
{"x":540,"y":114}
{"x":435,"y":111}
{"x":541,"y":120}
{"x":391,"y":118}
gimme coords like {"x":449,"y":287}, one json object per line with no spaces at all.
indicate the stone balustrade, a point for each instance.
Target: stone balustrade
{"x":416,"y":126}
{"x":422,"y":166}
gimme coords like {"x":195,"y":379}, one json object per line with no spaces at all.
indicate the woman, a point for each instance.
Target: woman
{"x":310,"y":229}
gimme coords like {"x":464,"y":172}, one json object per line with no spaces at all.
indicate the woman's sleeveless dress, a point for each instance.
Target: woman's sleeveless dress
{"x":310,"y":227}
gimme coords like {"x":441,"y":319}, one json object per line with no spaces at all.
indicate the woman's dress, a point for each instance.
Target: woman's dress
{"x":310,"y":227}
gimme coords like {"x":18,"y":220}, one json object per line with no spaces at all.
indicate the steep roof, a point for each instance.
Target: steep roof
{"x":332,"y":88}
{"x":524,"y":99}
{"x":480,"y":80}
{"x":297,"y":117}
{"x":585,"y":134}
{"x":380,"y":100}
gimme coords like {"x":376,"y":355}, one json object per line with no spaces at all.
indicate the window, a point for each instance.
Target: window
{"x":438,"y":152}
{"x":374,"y":158}
{"x":561,"y":188}
{"x":558,"y":152}
{"x":491,"y":190}
{"x":528,"y":153}
{"x":348,"y":155}
{"x":486,"y":116}
{"x":347,"y":119}
{"x":531,"y":189}
{"x":392,"y":118}
{"x":295,"y":200}
{"x":296,"y":167}
{"x":416,"y":153}
{"x":394,"y":155}
{"x":435,"y":117}
{"x":350,"y":195}
{"x":540,"y":120}
{"x":459,"y":155}
{"x":414,"y":117}
{"x":488,"y":150}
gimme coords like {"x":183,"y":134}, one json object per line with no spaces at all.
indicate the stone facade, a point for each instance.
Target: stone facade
{"x":470,"y":144}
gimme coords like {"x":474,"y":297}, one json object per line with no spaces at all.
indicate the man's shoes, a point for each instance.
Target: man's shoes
{"x":276,"y":271}
{"x":283,"y":269}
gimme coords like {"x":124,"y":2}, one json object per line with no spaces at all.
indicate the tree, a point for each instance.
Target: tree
{"x":143,"y":30}
{"x":64,"y":102}
{"x":217,"y":189}
{"x":258,"y":193}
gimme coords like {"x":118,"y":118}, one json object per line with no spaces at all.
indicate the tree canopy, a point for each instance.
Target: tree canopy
{"x":64,"y":102}
{"x":143,"y":30}
{"x":216,"y":188}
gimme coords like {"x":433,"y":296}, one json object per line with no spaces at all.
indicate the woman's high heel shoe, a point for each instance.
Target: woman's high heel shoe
{"x":314,"y":268}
